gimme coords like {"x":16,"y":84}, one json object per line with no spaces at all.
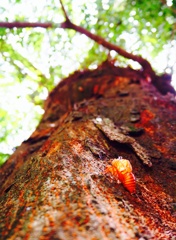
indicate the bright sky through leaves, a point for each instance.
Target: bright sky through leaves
{"x":34,"y":60}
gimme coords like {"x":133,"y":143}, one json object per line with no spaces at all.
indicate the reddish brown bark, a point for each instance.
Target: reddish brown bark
{"x":55,"y":187}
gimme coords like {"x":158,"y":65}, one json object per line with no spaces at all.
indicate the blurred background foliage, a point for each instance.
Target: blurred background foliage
{"x":34,"y":60}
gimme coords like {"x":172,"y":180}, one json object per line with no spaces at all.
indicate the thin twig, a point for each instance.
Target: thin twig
{"x":64,"y":11}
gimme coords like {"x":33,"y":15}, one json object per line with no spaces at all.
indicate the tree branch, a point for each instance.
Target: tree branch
{"x":11,"y":25}
{"x":147,"y":69}
{"x":143,"y":62}
{"x":148,"y":72}
{"x":64,"y":11}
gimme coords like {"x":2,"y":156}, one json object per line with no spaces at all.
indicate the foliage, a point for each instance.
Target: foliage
{"x":34,"y":60}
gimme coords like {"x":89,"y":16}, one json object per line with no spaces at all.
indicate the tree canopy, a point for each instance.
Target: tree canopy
{"x":34,"y":59}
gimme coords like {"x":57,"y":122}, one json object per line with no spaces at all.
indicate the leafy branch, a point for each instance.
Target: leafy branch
{"x":147,"y":70}
{"x":26,"y":63}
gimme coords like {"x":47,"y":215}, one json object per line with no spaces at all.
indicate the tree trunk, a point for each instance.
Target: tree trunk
{"x":57,"y":184}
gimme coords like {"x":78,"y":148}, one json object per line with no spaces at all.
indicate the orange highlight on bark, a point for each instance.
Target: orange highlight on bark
{"x":146,"y":117}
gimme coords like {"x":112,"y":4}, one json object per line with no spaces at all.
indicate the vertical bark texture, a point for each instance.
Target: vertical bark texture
{"x":55,"y":186}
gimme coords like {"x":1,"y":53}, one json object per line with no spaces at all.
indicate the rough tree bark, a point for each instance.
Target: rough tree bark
{"x":55,"y":186}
